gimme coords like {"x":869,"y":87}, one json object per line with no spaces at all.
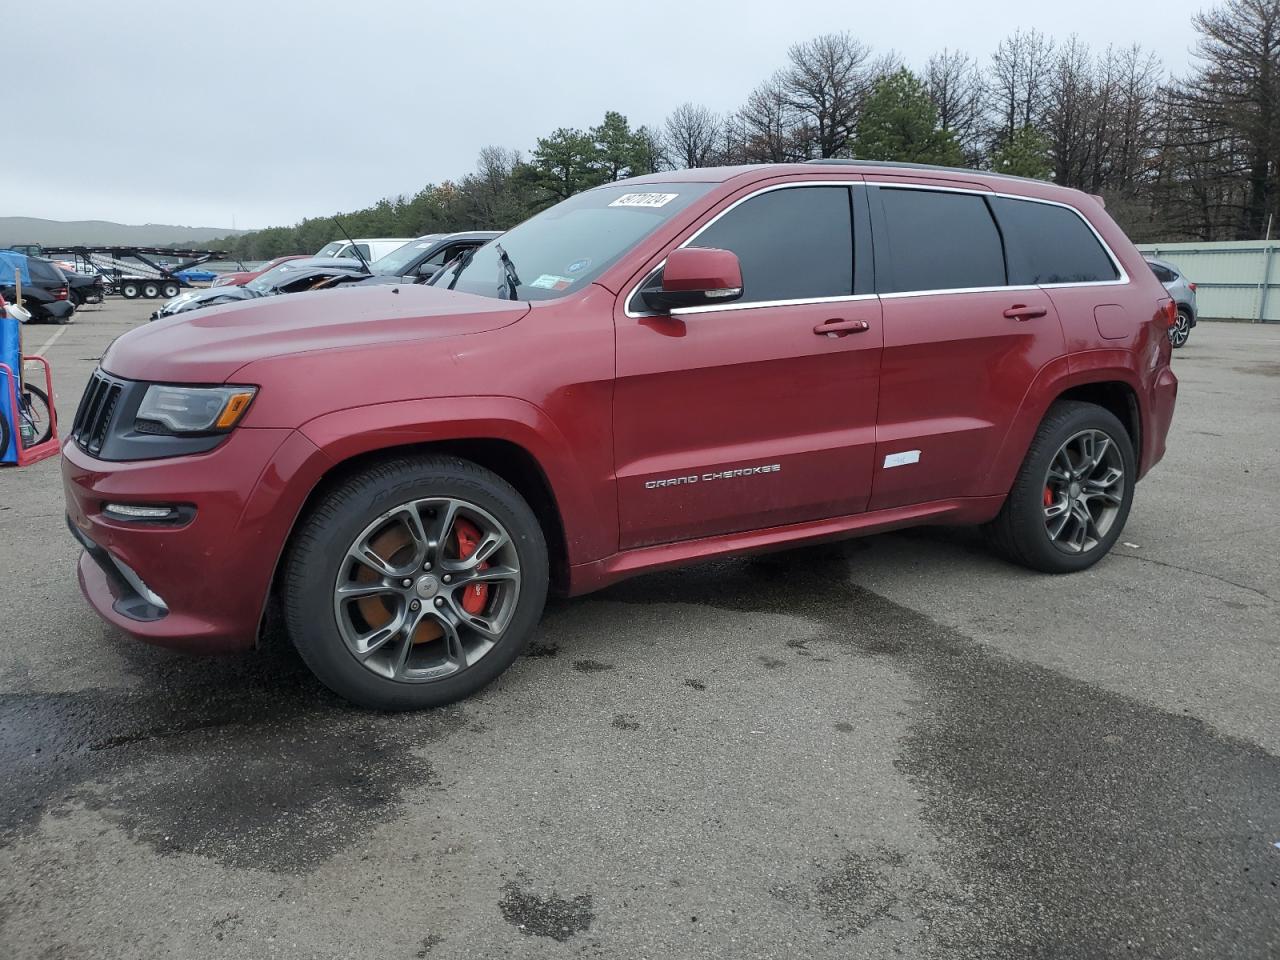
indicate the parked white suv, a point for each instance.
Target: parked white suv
{"x":371,"y":248}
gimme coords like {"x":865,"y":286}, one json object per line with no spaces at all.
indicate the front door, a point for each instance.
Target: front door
{"x":750,"y":415}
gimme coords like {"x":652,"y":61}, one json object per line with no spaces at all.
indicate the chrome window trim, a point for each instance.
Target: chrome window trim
{"x":1123,"y":275}
{"x":717,"y":308}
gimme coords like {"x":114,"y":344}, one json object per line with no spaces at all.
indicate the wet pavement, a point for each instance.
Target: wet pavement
{"x":897,"y":746}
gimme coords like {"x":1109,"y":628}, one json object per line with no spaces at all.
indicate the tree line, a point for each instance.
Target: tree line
{"x":1194,"y":157}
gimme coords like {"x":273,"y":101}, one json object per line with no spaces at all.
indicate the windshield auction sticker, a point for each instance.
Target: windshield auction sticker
{"x":644,"y":199}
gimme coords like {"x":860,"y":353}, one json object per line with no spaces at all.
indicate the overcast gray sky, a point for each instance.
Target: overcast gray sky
{"x":267,"y":112}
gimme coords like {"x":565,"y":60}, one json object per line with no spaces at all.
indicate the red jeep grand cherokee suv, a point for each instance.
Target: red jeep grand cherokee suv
{"x":653,"y":372}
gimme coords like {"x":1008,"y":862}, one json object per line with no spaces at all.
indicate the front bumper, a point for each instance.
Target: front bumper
{"x":202,"y":585}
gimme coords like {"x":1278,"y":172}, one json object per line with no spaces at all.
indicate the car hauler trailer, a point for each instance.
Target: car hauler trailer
{"x":133,"y":271}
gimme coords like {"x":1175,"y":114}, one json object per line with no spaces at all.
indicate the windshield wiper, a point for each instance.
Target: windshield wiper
{"x":463,"y":261}
{"x":511,"y":278}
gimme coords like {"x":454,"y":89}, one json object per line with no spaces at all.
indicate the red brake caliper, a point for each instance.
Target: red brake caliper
{"x":1048,"y":497}
{"x":475,"y":596}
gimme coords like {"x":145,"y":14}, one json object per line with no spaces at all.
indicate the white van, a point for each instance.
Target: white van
{"x":371,"y":248}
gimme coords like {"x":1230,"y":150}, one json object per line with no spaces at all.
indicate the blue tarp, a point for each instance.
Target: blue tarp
{"x":8,"y":261}
{"x":10,"y":353}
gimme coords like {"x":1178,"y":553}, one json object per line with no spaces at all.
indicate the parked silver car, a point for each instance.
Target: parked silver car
{"x":1183,"y":292}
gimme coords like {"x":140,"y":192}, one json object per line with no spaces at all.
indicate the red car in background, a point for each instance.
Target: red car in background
{"x":244,"y":276}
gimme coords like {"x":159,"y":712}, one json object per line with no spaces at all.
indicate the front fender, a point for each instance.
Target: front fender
{"x":587,"y":510}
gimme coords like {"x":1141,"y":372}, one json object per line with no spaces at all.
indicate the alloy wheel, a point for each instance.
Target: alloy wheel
{"x":1180,"y":332}
{"x":1083,"y":491}
{"x":427,"y":589}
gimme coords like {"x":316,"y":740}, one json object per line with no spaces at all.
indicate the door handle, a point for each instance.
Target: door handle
{"x":1020,"y":311}
{"x":836,"y":327}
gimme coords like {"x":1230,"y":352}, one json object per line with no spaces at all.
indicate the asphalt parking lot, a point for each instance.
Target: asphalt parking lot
{"x":900,"y":746}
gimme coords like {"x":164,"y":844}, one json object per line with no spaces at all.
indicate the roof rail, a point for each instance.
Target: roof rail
{"x":841,"y":161}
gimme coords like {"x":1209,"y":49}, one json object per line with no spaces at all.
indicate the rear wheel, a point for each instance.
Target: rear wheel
{"x":1180,"y":332}
{"x":171,"y":290}
{"x":129,"y":290}
{"x":1072,"y":495}
{"x":415,"y":583}
{"x":151,"y":290}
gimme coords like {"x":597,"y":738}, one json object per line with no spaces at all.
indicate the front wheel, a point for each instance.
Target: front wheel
{"x":1073,"y":493}
{"x":415,"y":583}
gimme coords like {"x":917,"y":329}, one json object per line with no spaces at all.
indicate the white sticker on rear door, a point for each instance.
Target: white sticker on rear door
{"x":902,"y":459}
{"x":644,"y":199}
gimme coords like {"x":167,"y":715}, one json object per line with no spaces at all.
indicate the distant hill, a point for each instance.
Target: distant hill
{"x":101,"y":232}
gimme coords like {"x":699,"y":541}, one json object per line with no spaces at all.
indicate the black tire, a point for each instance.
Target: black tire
{"x":151,"y":290}
{"x":130,"y":290}
{"x":171,"y":290}
{"x":318,"y":550}
{"x":1180,"y":332}
{"x":1019,"y":532}
{"x":4,"y":433}
{"x":39,"y":412}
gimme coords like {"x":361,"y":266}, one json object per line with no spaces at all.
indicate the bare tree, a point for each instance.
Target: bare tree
{"x":1015,"y":86}
{"x":692,"y":136}
{"x":825,"y":84}
{"x":769,"y":129}
{"x":1235,"y":92}
{"x":955,"y":85}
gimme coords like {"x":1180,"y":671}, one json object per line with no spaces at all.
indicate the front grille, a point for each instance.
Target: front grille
{"x":97,"y":406}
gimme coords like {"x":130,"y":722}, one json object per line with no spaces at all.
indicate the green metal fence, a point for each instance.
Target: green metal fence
{"x":1236,"y":280}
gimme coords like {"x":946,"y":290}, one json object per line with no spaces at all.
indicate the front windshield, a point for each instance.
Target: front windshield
{"x":272,"y":278}
{"x":331,"y":249}
{"x":395,"y":263}
{"x":566,"y":247}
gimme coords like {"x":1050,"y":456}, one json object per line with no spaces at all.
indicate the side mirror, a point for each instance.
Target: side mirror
{"x":427,"y":270}
{"x":696,"y":277}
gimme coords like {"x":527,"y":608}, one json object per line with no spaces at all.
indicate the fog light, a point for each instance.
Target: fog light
{"x":133,"y":511}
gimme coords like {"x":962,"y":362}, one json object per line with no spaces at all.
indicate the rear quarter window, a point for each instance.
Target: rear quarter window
{"x":45,"y":273}
{"x":1048,"y":243}
{"x":937,"y":240}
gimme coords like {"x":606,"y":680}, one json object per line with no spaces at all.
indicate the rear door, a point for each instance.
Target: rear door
{"x":961,"y":345}
{"x":749,"y":415}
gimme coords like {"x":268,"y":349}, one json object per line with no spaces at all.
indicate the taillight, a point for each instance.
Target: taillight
{"x":1192,"y":286}
{"x":60,"y":293}
{"x":1170,"y":313}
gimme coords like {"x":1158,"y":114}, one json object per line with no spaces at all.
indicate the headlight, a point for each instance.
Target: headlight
{"x":181,"y":410}
{"x":221,"y":281}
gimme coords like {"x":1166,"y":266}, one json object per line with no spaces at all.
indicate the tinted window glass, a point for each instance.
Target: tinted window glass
{"x":939,"y":241}
{"x":1051,"y":244}
{"x":1162,"y":274}
{"x":44,"y":272}
{"x":794,"y":244}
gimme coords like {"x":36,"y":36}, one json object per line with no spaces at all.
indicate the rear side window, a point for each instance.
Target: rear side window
{"x":44,"y":273}
{"x":1163,"y":274}
{"x":938,"y":241}
{"x":1051,"y":244}
{"x":794,"y":244}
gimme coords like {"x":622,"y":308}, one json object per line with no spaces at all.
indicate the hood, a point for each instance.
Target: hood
{"x":210,"y":345}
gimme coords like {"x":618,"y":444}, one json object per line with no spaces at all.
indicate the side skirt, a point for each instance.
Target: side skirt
{"x":961,"y":511}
